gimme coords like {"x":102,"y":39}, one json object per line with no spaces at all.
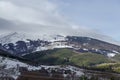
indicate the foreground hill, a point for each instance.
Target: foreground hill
{"x":13,"y":69}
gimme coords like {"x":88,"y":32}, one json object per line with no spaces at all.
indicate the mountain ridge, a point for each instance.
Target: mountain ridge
{"x":43,"y":36}
{"x":20,"y":44}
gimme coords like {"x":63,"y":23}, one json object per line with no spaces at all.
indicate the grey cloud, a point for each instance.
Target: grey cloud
{"x":6,"y":24}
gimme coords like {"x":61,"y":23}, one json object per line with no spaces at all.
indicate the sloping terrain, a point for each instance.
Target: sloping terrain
{"x":31,"y":55}
{"x":67,"y":56}
{"x":21,"y":44}
{"x":11,"y":67}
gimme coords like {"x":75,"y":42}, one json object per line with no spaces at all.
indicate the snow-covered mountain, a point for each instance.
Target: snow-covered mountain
{"x":21,"y":44}
{"x":27,"y":43}
{"x":14,"y":37}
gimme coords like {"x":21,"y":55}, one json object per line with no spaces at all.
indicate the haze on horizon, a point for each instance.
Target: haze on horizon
{"x":94,"y":18}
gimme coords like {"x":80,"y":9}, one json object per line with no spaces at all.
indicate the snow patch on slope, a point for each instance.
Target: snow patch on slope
{"x":111,"y":54}
{"x":11,"y":67}
{"x":53,"y":45}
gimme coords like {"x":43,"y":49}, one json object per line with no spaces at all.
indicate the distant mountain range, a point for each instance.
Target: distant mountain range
{"x":21,"y":44}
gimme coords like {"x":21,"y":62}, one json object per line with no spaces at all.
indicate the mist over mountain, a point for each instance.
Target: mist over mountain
{"x":37,"y":30}
{"x":37,"y":19}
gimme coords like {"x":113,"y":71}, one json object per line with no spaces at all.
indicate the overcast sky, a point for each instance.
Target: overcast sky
{"x":103,"y":15}
{"x":76,"y":17}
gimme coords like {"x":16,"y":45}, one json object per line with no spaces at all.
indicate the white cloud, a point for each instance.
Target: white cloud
{"x":45,"y":13}
{"x":10,"y":11}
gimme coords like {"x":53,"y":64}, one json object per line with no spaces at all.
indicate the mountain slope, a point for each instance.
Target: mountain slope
{"x":67,"y":56}
{"x":93,"y":45}
{"x":22,"y":44}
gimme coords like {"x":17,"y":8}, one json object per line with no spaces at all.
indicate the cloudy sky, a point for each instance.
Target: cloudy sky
{"x":70,"y":17}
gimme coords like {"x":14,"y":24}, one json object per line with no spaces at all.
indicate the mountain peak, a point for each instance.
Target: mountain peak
{"x":14,"y":32}
{"x":13,"y":37}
